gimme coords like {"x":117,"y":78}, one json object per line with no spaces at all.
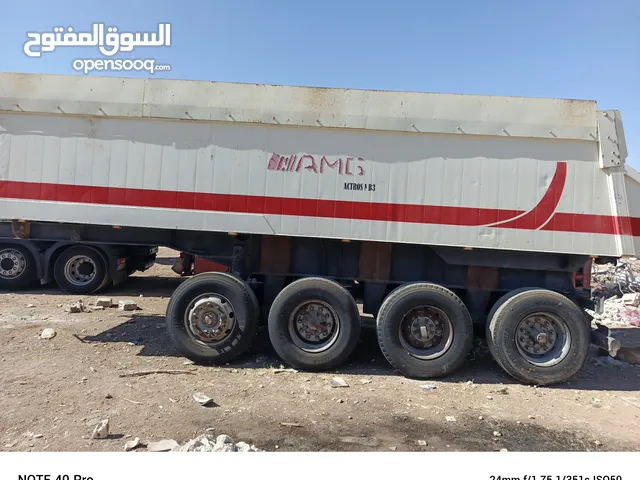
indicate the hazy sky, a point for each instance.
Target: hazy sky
{"x":583,"y":49}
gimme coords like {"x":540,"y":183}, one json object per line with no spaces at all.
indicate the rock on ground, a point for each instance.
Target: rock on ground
{"x":127,"y":305}
{"x":48,"y":333}
{"x":162,"y":446}
{"x":210,"y":443}
{"x":104,"y":302}
{"x":101,"y":430}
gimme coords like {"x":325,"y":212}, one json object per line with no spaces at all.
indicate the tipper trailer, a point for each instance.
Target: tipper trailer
{"x":440,"y":213}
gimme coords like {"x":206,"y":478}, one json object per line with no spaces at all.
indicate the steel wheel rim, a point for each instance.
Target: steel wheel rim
{"x":12,"y":263}
{"x":426,"y":332}
{"x":543,"y":339}
{"x":314,"y":326}
{"x":80,"y":270}
{"x":210,"y":319}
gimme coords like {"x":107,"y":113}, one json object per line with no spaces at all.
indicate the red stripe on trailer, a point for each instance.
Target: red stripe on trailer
{"x":342,"y":209}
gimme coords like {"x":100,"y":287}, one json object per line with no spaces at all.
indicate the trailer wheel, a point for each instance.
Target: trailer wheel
{"x":424,"y":330}
{"x":17,"y":267}
{"x":80,"y":270}
{"x":538,"y":336}
{"x":212,"y":317}
{"x":314,"y":324}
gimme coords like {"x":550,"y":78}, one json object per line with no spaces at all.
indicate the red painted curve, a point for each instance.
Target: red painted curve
{"x":543,"y":211}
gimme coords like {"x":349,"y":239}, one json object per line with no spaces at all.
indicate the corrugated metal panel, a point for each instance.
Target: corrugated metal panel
{"x":299,"y":106}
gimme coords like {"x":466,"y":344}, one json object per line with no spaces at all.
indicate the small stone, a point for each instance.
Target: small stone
{"x":202,"y":399}
{"x":450,"y":419}
{"x":393,"y":449}
{"x":162,"y":446}
{"x":350,"y":417}
{"x":503,"y":391}
{"x":365,"y":381}
{"x":141,"y":295}
{"x":518,"y":422}
{"x":497,"y":434}
{"x":127,"y":305}
{"x":98,"y":308}
{"x":597,"y":443}
{"x":532,"y":417}
{"x":188,"y":362}
{"x":38,"y":435}
{"x":104,"y":302}
{"x":489,"y":397}
{"x":77,"y":307}
{"x":338,"y":382}
{"x":10,"y":445}
{"x":428,"y":387}
{"x":340,"y":400}
{"x":288,"y":424}
{"x":108,"y":396}
{"x":31,"y":305}
{"x":48,"y":333}
{"x":243,"y":447}
{"x":132,"y":444}
{"x":422,"y":443}
{"x":504,"y":450}
{"x":224,"y":443}
{"x":102,"y":430}
{"x":480,"y":417}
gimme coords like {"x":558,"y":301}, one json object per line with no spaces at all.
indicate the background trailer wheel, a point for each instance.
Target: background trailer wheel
{"x":17,"y":267}
{"x":212,"y":317}
{"x":538,"y":336}
{"x":314,"y":324}
{"x":424,"y":330}
{"x":80,"y":270}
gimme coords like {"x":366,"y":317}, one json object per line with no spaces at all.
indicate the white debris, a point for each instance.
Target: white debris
{"x":631,"y":299}
{"x":497,"y":434}
{"x":422,"y":443}
{"x":48,"y":333}
{"x":77,"y":307}
{"x":132,"y":444}
{"x":162,"y":446}
{"x":202,"y":399}
{"x":210,"y":443}
{"x":428,"y":387}
{"x":450,"y":419}
{"x":338,"y":382}
{"x":127,"y":305}
{"x":104,"y":302}
{"x":31,"y":305}
{"x":101,"y":430}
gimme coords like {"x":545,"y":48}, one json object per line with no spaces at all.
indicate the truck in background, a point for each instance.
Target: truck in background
{"x":440,"y":213}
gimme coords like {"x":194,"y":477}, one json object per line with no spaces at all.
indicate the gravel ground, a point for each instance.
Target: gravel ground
{"x":54,"y":391}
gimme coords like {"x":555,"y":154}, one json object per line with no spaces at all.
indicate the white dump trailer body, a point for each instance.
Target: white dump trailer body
{"x":523,"y":174}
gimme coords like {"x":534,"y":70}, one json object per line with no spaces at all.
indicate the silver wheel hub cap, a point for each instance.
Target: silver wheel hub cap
{"x":12,"y":263}
{"x":543,"y":339}
{"x":211,"y":319}
{"x":80,"y":270}
{"x":314,"y":326}
{"x":426,"y":332}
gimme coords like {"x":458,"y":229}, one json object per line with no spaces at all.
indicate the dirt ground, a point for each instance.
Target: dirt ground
{"x":53,"y":392}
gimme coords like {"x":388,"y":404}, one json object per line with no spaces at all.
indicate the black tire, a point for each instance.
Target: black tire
{"x":564,"y":360}
{"x":318,"y":297}
{"x":18,"y":267}
{"x":397,"y":349}
{"x":88,"y":277}
{"x":245,"y":309}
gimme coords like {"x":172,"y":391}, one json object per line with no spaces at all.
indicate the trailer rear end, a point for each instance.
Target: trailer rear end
{"x":439,"y":213}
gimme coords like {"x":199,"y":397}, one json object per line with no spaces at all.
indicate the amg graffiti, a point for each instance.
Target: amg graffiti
{"x":293,"y":163}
